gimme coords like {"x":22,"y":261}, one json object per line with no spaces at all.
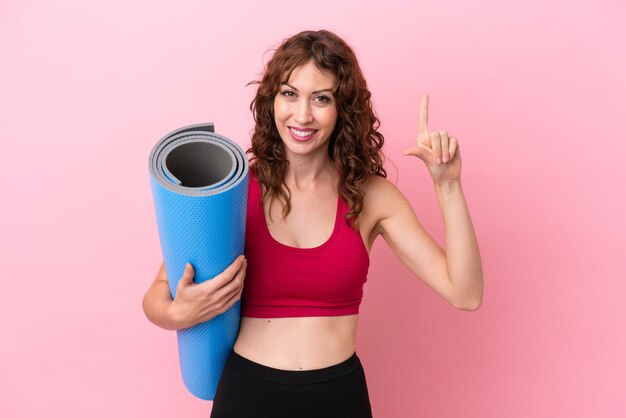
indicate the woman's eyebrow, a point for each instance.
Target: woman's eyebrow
{"x":315,"y":92}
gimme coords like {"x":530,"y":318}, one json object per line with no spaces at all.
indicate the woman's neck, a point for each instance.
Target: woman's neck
{"x":307,"y":173}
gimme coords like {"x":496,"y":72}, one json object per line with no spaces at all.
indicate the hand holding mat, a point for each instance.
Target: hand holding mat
{"x":200,"y":302}
{"x":199,"y":183}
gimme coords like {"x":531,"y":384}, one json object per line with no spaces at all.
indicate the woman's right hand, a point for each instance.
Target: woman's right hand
{"x":199,"y":302}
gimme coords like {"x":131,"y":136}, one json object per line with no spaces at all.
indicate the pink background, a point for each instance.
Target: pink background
{"x":533,"y":90}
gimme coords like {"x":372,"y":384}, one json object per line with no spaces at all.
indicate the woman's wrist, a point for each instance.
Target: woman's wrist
{"x":447,"y":184}
{"x":173,"y":318}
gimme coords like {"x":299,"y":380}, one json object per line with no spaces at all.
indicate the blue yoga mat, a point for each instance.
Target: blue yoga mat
{"x":199,"y":184}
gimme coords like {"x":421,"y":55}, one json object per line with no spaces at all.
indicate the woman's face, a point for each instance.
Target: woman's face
{"x":305,"y":111}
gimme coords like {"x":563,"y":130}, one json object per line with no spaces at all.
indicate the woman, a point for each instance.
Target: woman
{"x":318,"y":198}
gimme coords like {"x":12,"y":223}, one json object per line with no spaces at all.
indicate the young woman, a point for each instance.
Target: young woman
{"x":317,"y":200}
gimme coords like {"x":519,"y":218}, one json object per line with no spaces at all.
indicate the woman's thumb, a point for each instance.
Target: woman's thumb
{"x":187,"y":277}
{"x":420,"y":153}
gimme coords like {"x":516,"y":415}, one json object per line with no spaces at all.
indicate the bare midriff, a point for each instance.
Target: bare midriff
{"x":302,"y":343}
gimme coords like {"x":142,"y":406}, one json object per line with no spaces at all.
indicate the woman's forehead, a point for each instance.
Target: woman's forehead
{"x":308,"y":76}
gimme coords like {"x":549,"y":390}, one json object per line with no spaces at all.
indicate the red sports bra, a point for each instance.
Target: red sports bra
{"x":284,"y":281}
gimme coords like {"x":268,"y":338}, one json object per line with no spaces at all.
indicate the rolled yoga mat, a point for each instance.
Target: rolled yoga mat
{"x":199,"y":184}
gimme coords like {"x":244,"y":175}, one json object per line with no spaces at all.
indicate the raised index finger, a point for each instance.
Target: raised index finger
{"x":423,"y":118}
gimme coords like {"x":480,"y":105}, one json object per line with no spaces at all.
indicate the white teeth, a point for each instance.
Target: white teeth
{"x":302,"y":134}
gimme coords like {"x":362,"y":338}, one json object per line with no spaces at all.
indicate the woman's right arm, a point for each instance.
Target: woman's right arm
{"x":194,"y":302}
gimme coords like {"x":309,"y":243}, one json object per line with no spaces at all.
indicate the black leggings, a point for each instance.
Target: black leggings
{"x":248,"y":390}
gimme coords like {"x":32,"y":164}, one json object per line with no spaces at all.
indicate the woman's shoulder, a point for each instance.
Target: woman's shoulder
{"x":253,"y":177}
{"x":376,"y":185}
{"x":381,"y":196}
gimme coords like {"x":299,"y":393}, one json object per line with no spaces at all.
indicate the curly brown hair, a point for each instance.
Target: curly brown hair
{"x":355,"y":144}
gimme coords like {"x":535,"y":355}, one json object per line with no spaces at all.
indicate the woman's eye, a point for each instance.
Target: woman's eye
{"x":288,"y":93}
{"x":323,"y":99}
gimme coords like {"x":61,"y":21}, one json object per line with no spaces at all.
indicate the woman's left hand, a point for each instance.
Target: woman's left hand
{"x":439,"y":151}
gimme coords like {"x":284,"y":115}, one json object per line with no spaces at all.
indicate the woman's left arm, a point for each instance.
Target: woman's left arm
{"x":462,"y":254}
{"x":456,"y":272}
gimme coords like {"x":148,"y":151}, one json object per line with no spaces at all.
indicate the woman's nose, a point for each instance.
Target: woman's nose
{"x":303,"y":112}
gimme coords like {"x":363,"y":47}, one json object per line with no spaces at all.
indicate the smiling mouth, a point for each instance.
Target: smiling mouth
{"x":306,"y":133}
